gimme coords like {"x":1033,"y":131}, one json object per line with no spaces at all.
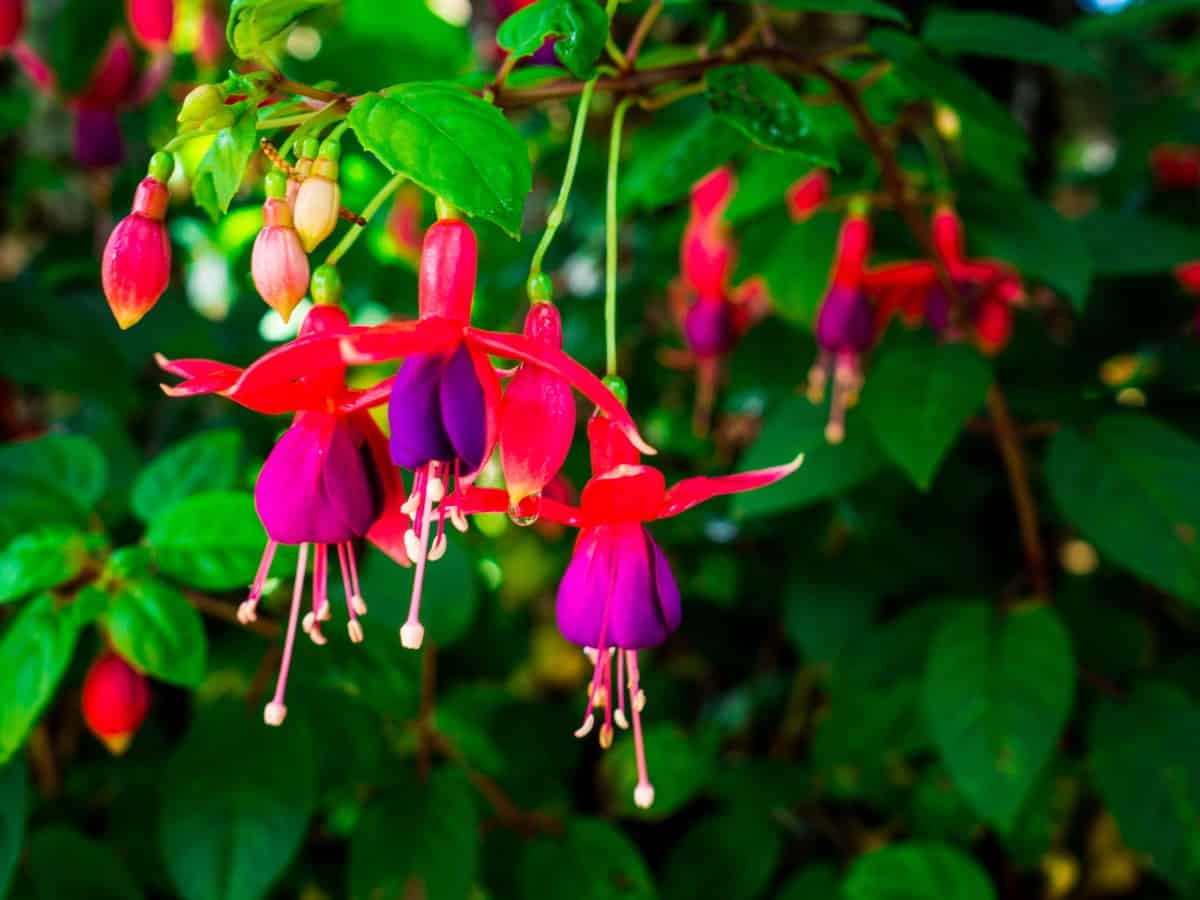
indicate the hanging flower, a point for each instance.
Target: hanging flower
{"x":807,"y":195}
{"x":152,"y":22}
{"x":844,"y":329}
{"x":618,"y":594}
{"x":136,"y":265}
{"x":327,"y":482}
{"x":278,"y":262}
{"x":115,"y":699}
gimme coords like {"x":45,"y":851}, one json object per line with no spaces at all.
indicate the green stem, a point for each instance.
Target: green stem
{"x":610,"y":227}
{"x":560,"y":205}
{"x":285,"y":121}
{"x":351,"y":236}
{"x":317,"y":120}
{"x":610,"y":45}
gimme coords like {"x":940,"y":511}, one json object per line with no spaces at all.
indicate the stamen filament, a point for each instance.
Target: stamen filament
{"x":412,"y":633}
{"x":275,"y":711}
{"x":248,"y":610}
{"x":643,"y":794}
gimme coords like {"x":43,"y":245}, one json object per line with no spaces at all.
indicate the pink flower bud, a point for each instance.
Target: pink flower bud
{"x":113,"y":77}
{"x":278,"y":262}
{"x":537,"y":415}
{"x":152,"y":21}
{"x":115,"y":700}
{"x":807,"y":195}
{"x":317,"y":202}
{"x":12,"y":22}
{"x":136,"y":266}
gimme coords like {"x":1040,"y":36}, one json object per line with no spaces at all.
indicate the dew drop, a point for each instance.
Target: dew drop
{"x":525,"y":511}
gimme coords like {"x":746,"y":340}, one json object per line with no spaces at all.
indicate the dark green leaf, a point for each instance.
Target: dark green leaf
{"x":681,"y":768}
{"x":1126,"y":243}
{"x":871,"y":8}
{"x":437,"y":857}
{"x":209,"y":461}
{"x":156,"y":629}
{"x":1136,"y":16}
{"x":828,"y":470}
{"x":764,"y":107}
{"x":594,"y":860}
{"x":1148,"y":772}
{"x":450,"y":593}
{"x":253,"y":24}
{"x":825,"y":610}
{"x":997,"y":695}
{"x":452,"y":144}
{"x":43,"y":559}
{"x":724,"y":857}
{"x":919,"y":397}
{"x":1132,"y":491}
{"x":917,"y":871}
{"x":1005,"y":36}
{"x":236,"y":800}
{"x":580,"y":25}
{"x":211,"y":541}
{"x":220,"y":172}
{"x":34,"y":653}
{"x":815,"y":881}
{"x":13,"y":801}
{"x":665,"y":171}
{"x":63,"y":863}
{"x":58,"y":478}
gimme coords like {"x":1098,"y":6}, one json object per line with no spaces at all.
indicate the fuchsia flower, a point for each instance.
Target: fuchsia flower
{"x":326,"y":483}
{"x":845,"y":329}
{"x":445,"y":400}
{"x":278,"y":262}
{"x":1176,"y":166}
{"x":136,"y":264}
{"x":98,"y":141}
{"x":807,"y":195}
{"x":618,"y":595}
{"x":115,"y":700}
{"x":152,"y":22}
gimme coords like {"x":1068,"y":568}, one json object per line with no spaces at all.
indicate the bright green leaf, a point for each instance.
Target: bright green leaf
{"x":580,"y":26}
{"x":796,"y":265}
{"x":917,"y":871}
{"x":209,"y":461}
{"x":220,"y":172}
{"x":156,"y":629}
{"x":725,"y":857}
{"x":451,"y":143}
{"x":594,"y":860}
{"x":43,"y":559}
{"x":253,"y":24}
{"x":919,"y":397}
{"x":212,"y":541}
{"x":1005,"y":36}
{"x":57,"y":478}
{"x":63,"y":863}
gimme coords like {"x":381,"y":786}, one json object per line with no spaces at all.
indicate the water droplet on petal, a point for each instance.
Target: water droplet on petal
{"x":526,"y":511}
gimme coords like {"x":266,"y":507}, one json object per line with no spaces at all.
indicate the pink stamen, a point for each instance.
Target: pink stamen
{"x":601,"y":650}
{"x":354,"y":628}
{"x":276,"y":711}
{"x":622,"y":720}
{"x":248,"y":610}
{"x":360,"y":604}
{"x":412,"y":633}
{"x":643,"y":794}
{"x":320,"y":602}
{"x":606,"y":731}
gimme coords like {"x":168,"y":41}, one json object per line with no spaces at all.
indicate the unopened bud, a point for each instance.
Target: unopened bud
{"x":317,"y":203}
{"x":136,"y":265}
{"x":202,"y":102}
{"x":152,"y":22}
{"x":115,"y":700}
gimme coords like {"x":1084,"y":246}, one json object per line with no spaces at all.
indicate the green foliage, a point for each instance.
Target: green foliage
{"x":729,"y":856}
{"x":1008,"y":37}
{"x":580,"y":25}
{"x":223,"y":166}
{"x":917,"y":871}
{"x":209,"y":540}
{"x":64,"y":863}
{"x":254,"y":25}
{"x":42,"y":559}
{"x":155,"y":628}
{"x":13,"y":806}
{"x":594,"y":860}
{"x":210,"y":461}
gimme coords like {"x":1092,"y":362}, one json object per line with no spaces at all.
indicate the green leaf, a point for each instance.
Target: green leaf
{"x":1143,"y":755}
{"x":1007,"y":37}
{"x":919,"y":397}
{"x":451,"y":143}
{"x":724,"y":857}
{"x":43,"y":559}
{"x":917,"y":871}
{"x":681,"y":767}
{"x":796,"y":262}
{"x":58,"y":478}
{"x":580,"y":25}
{"x":932,"y":77}
{"x":34,"y":653}
{"x":594,"y":860}
{"x":13,"y":802}
{"x":872,"y":8}
{"x":798,"y":426}
{"x":63,"y":863}
{"x":665,"y":171}
{"x":236,"y":799}
{"x":764,"y":107}
{"x":450,"y":592}
{"x":212,"y":541}
{"x":997,"y":695}
{"x":253,"y":24}
{"x":825,"y":610}
{"x":818,"y":880}
{"x":438,"y":855}
{"x":156,"y":629}
{"x":1131,"y":490}
{"x":220,"y":171}
{"x":1127,"y":243}
{"x":209,"y":461}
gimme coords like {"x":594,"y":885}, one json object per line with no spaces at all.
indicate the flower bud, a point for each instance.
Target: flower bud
{"x":712,"y":193}
{"x":1188,"y":276}
{"x":278,"y":262}
{"x":993,"y":324}
{"x":1175,"y":167}
{"x":326,"y":287}
{"x":152,"y":22}
{"x":136,"y":265}
{"x":115,"y":700}
{"x":537,"y":415}
{"x":947,"y":230}
{"x":807,"y":195}
{"x":12,"y":22}
{"x":318,"y":200}
{"x":202,"y":103}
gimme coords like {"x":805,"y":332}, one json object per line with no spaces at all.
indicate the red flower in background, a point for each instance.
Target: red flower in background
{"x":115,"y":700}
{"x":1176,"y":166}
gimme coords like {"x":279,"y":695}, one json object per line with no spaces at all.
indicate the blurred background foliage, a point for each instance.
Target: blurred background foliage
{"x":843,"y":714}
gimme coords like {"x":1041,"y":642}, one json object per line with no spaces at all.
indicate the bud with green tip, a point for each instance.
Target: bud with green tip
{"x":278,"y":262}
{"x":304,"y":163}
{"x":326,"y":286}
{"x":319,"y":198}
{"x":202,"y":103}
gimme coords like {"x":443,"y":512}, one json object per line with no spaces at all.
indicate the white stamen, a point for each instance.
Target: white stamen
{"x":409,"y":507}
{"x":412,"y":544}
{"x":606,"y":736}
{"x":438,"y":548}
{"x":308,"y":622}
{"x":643,"y":796}
{"x":247,"y":612}
{"x":619,"y":718}
{"x":459,"y":520}
{"x":360,"y":608}
{"x":317,"y":637}
{"x":436,"y":489}
{"x":592,"y":654}
{"x":323,"y":614}
{"x":355,"y":630}
{"x":274,"y":713}
{"x":412,"y":635}
{"x":586,"y":728}
{"x":639,"y":700}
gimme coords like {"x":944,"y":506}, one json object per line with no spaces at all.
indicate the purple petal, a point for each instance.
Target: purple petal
{"x":415,"y":414}
{"x":352,"y":499}
{"x":584,"y":588}
{"x":635,"y":618}
{"x":845,"y":321}
{"x":464,"y":412}
{"x":708,"y":327}
{"x":670,"y":609}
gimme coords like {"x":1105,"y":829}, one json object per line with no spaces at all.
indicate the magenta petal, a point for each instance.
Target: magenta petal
{"x":670,"y":607}
{"x":584,"y":588}
{"x":352,"y":493}
{"x":464,"y":412}
{"x":415,"y":413}
{"x":634,"y":619}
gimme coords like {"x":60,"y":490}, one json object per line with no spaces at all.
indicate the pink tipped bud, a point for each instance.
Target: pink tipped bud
{"x":210,"y":38}
{"x":278,"y":262}
{"x":113,"y":77}
{"x":807,"y":195}
{"x":446,"y":282}
{"x":115,"y":700}
{"x":12,"y":22}
{"x":537,"y":415}
{"x":152,"y":21}
{"x":136,"y":266}
{"x":317,"y":202}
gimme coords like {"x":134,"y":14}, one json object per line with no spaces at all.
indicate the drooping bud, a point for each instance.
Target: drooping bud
{"x":948,"y":239}
{"x":1175,"y":166}
{"x":136,"y":265}
{"x":807,"y":195}
{"x":152,"y":22}
{"x":12,"y":22}
{"x":449,"y":257}
{"x":319,"y":198}
{"x":303,"y":168}
{"x":115,"y":700}
{"x":210,"y":36}
{"x":278,"y":262}
{"x":537,"y":415}
{"x":993,"y":324}
{"x":1188,"y":276}
{"x":204,"y":107}
{"x":712,"y":193}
